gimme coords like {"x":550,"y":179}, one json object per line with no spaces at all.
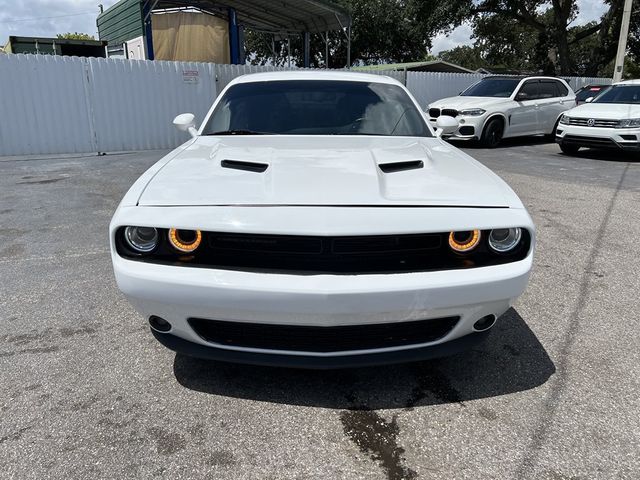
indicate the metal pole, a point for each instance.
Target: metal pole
{"x":326,"y":49}
{"x":273,"y":49}
{"x":622,"y":42}
{"x":307,"y":49}
{"x":349,"y":47}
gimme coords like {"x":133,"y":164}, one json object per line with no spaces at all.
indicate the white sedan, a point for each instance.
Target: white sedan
{"x":611,"y":120}
{"x":315,"y":219}
{"x":503,"y":107}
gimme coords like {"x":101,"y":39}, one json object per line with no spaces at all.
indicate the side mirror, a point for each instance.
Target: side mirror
{"x":186,"y":122}
{"x":522,"y":96}
{"x":446,"y":125}
{"x":589,"y":100}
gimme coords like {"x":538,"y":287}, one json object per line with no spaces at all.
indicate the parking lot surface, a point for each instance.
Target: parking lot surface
{"x":86,"y":392}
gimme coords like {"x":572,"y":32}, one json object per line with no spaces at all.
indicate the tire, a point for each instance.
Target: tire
{"x":492,"y":133}
{"x":569,"y":149}
{"x":551,"y":137}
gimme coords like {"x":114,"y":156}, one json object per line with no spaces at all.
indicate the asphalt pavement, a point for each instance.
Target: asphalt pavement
{"x":86,"y":392}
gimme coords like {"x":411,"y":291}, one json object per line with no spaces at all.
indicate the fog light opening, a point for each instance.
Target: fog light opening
{"x":159,"y":324}
{"x":485,"y":323}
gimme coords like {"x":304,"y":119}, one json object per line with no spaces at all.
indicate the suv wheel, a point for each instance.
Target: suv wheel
{"x":492,"y":133}
{"x":569,"y":149}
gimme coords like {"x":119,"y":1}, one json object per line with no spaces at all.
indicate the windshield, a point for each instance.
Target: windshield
{"x":492,"y":87}
{"x":620,"y":94}
{"x":316,"y":107}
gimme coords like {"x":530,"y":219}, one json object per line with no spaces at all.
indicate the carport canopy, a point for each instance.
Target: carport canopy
{"x":279,"y":16}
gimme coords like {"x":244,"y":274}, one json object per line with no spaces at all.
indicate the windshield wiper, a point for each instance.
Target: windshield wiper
{"x":238,"y":132}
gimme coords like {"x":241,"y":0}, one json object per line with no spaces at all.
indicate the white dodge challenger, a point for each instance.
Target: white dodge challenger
{"x":317,"y":220}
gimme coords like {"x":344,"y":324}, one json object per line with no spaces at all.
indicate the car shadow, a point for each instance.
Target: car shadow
{"x":510,"y":360}
{"x":506,"y":143}
{"x":616,"y":156}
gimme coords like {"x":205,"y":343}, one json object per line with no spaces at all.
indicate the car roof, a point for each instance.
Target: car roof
{"x":629,"y":82}
{"x":314,"y":75}
{"x":523,"y":77}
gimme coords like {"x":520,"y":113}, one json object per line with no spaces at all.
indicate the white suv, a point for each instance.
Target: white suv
{"x":610,"y":120}
{"x":500,"y":107}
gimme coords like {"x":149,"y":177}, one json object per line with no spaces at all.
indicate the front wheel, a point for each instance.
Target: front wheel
{"x":492,"y":133}
{"x":569,"y":149}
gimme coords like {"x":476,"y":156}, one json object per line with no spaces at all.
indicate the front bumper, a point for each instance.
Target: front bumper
{"x":178,"y":293}
{"x":627,"y":139}
{"x":470,"y":127}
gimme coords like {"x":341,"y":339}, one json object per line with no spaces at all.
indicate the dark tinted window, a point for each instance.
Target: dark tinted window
{"x":530,"y":89}
{"x":587,"y":92}
{"x":492,"y":87}
{"x":620,"y":94}
{"x":547,"y":89}
{"x":317,"y":107}
{"x":562,"y":90}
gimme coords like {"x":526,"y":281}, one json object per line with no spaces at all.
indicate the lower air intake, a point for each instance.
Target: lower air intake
{"x":322,"y":339}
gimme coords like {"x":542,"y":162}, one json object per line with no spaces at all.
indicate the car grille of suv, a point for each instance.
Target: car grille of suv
{"x":450,"y":112}
{"x":589,"y":142}
{"x":305,"y":338}
{"x":597,"y":122}
{"x":434,"y":112}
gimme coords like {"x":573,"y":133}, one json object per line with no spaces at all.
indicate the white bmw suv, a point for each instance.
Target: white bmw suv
{"x":610,"y":120}
{"x":501,"y":107}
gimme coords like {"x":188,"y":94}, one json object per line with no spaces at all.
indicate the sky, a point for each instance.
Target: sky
{"x":46,"y":18}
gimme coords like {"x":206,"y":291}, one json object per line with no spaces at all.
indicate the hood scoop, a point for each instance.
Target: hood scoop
{"x":245,"y":166}
{"x":401,"y":166}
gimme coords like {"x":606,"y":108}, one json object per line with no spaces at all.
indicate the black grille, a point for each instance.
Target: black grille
{"x":467,"y":130}
{"x":434,"y":112}
{"x":322,"y":339}
{"x":450,"y":112}
{"x":594,"y":142}
{"x":313,"y":255}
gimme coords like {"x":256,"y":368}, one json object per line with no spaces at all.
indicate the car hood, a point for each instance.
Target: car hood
{"x":606,"y":111}
{"x":460,"y":102}
{"x":324,"y":170}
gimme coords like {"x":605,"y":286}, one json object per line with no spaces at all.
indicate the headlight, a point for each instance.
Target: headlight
{"x":141,"y":239}
{"x":503,"y":240}
{"x":565,"y":120}
{"x":629,"y":123}
{"x":463,"y":242}
{"x":185,"y":241}
{"x":473,"y":112}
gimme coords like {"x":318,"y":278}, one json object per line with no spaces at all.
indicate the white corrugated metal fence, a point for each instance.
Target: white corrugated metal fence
{"x":55,"y":104}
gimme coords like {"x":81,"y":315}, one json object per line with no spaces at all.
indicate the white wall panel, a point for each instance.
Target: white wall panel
{"x":43,"y":106}
{"x":53,"y":104}
{"x":134,"y":102}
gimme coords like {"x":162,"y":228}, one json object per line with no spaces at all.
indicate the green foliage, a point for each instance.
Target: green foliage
{"x":465,"y":56}
{"x":538,"y":35}
{"x":75,"y":36}
{"x":383,"y":31}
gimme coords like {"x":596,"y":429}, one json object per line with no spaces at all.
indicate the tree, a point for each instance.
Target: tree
{"x":464,"y":55}
{"x":75,"y":36}
{"x":535,"y":34}
{"x":382,"y":31}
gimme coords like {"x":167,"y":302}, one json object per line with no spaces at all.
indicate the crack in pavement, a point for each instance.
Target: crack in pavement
{"x":525,"y":469}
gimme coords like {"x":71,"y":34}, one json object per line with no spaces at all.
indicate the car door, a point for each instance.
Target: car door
{"x":550,"y":104}
{"x":523,"y":117}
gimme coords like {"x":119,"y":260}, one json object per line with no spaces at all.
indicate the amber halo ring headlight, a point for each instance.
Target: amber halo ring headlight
{"x":185,"y":241}
{"x":503,"y":240}
{"x":141,"y":239}
{"x":465,"y":241}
